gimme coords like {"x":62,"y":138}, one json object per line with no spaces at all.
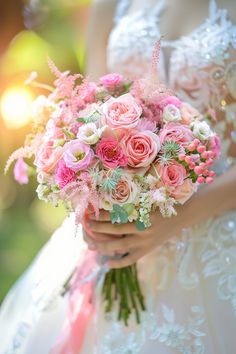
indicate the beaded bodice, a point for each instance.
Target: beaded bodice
{"x":201,"y":68}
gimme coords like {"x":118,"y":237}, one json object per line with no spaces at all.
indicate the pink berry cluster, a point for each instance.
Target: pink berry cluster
{"x":198,"y":159}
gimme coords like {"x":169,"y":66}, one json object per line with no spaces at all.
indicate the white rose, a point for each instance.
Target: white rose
{"x":201,"y":130}
{"x":41,"y":109}
{"x":89,"y":133}
{"x":171,"y":113}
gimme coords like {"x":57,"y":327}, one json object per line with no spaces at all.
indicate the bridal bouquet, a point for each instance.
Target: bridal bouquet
{"x":128,"y":147}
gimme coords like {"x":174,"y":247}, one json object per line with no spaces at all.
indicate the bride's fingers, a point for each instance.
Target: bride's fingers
{"x":103,"y":216}
{"x":122,"y":245}
{"x":90,"y":240}
{"x":109,"y":228}
{"x":128,"y":260}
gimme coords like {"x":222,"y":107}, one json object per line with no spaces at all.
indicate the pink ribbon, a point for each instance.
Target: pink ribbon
{"x":71,"y":339}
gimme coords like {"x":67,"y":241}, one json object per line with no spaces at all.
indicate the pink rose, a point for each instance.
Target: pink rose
{"x":20,"y":171}
{"x":173,"y":100}
{"x":215,"y":146}
{"x":110,"y":153}
{"x":141,"y":148}
{"x":126,"y":191}
{"x":77,"y":155}
{"x":47,"y":156}
{"x":176,"y":132}
{"x":111,"y":80}
{"x":183,"y":192}
{"x":121,"y":112}
{"x":188,"y":113}
{"x":64,"y":175}
{"x":172,"y":175}
{"x":53,"y":131}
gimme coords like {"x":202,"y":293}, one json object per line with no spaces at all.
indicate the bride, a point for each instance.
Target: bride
{"x":187,"y":264}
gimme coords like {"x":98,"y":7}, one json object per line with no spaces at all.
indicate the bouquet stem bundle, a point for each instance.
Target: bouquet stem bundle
{"x":122,"y":286}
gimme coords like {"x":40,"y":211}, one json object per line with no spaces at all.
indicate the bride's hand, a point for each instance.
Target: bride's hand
{"x":209,"y":202}
{"x":109,"y":239}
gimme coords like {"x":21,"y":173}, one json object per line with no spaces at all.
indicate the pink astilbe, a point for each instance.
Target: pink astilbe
{"x":155,"y":60}
{"x":65,"y":83}
{"x":81,"y":194}
{"x":150,"y":90}
{"x":23,"y":152}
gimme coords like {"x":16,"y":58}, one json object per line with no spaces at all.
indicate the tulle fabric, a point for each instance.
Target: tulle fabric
{"x":189,"y":285}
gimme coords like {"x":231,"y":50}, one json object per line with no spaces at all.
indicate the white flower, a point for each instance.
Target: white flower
{"x":105,"y":204}
{"x":43,"y":191}
{"x":151,"y":180}
{"x":89,"y":133}
{"x":159,"y":196}
{"x":41,"y":109}
{"x":201,"y":130}
{"x":133,"y":216}
{"x":171,"y":113}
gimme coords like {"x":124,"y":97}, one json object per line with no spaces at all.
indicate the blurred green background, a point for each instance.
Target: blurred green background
{"x":31,"y":31}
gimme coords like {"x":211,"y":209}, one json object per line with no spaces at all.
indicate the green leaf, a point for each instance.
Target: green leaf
{"x":118,"y":214}
{"x":80,"y":120}
{"x":140,"y":225}
{"x":55,"y":188}
{"x":127,"y":86}
{"x":59,"y":142}
{"x":129,"y":208}
{"x":68,"y":133}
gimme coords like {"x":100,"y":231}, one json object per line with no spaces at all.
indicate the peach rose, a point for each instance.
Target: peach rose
{"x":121,"y":112}
{"x":183,"y":192}
{"x":141,"y":148}
{"x":172,"y":175}
{"x":48,"y":156}
{"x":126,"y":191}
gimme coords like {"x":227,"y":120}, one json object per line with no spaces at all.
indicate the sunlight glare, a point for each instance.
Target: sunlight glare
{"x":15,"y":107}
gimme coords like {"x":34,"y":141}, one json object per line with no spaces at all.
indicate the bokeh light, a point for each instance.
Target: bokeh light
{"x":31,"y":32}
{"x":16,"y":107}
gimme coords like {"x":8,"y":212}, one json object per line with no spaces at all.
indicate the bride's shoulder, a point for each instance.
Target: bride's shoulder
{"x":103,"y":11}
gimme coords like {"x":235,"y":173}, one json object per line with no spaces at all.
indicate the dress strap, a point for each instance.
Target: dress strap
{"x":159,"y":7}
{"x":213,"y":9}
{"x":121,"y":9}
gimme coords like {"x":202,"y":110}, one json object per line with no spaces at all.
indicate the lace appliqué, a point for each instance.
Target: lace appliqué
{"x":20,"y":336}
{"x":131,"y":43}
{"x":186,"y":339}
{"x":218,"y":256}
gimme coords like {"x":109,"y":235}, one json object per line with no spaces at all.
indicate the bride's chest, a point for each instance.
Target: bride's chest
{"x":132,"y":40}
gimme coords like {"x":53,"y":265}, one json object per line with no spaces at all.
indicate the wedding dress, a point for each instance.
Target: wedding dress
{"x":190,"y":284}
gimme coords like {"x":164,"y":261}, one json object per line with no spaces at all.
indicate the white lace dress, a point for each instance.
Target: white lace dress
{"x":190,"y":285}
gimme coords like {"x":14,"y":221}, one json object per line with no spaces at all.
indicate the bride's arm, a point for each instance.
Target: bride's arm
{"x":100,"y":25}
